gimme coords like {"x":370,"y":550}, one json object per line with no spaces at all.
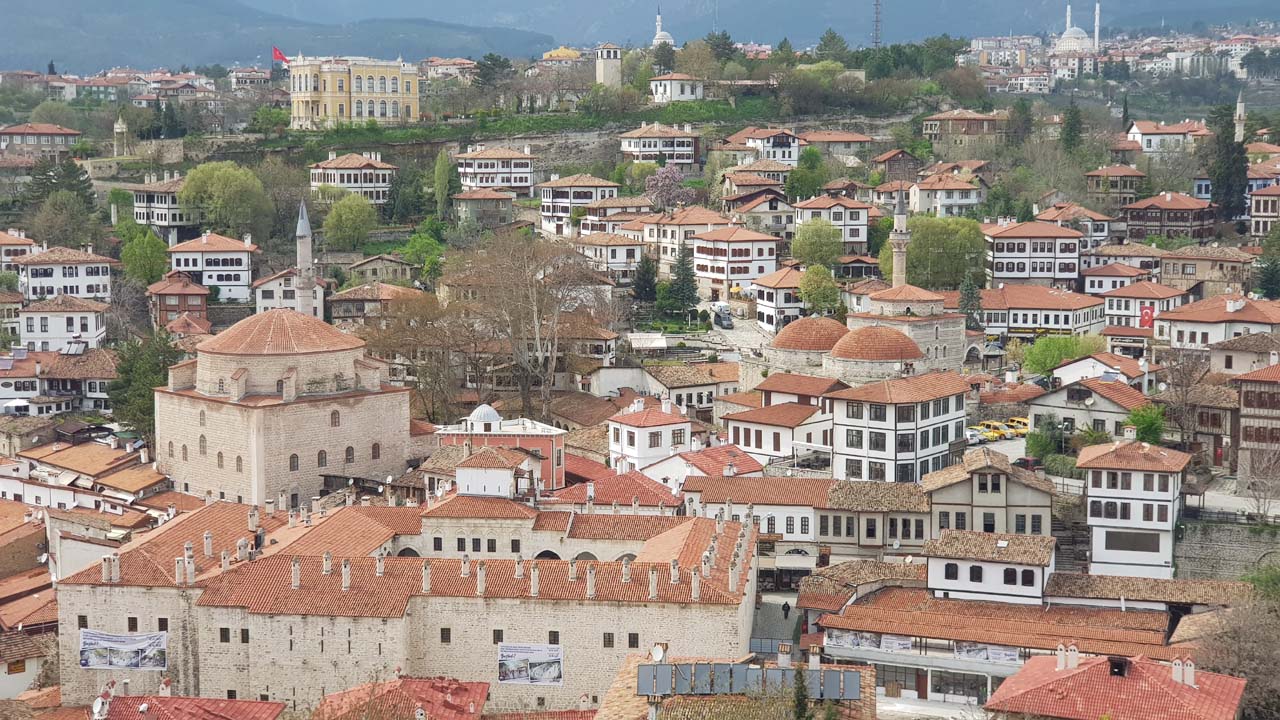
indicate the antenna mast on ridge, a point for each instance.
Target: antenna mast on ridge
{"x":875,"y":26}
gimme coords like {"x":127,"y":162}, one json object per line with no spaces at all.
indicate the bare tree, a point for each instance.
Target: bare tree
{"x":1263,"y":480}
{"x":1184,"y":371}
{"x":1245,"y":642}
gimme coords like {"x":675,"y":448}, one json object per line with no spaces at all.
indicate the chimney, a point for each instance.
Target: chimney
{"x":730,"y":470}
{"x":115,"y":567}
{"x":204,"y":239}
{"x":106,"y":568}
{"x":1130,"y":432}
{"x":706,"y":564}
{"x":271,"y":507}
{"x":675,"y":572}
{"x":784,"y":655}
{"x":519,"y":566}
{"x":333,"y":155}
{"x":695,"y":588}
{"x":381,"y":566}
{"x":1073,"y":656}
{"x":253,"y":519}
{"x":296,"y":581}
{"x":482,"y":576}
{"x":653,"y":583}
{"x":615,"y":507}
{"x":191,"y":570}
{"x":1168,"y":197}
{"x":346,"y":574}
{"x":242,"y":550}
{"x":1178,"y":672}
{"x":143,"y":456}
{"x":666,"y":404}
{"x":815,"y":657}
{"x":1189,"y":672}
{"x":626,"y":569}
{"x":466,"y":565}
{"x":208,"y":544}
{"x":282,"y":502}
{"x":426,"y":576}
{"x":1061,"y":655}
{"x":293,"y":518}
{"x":226,"y":561}
{"x":178,"y":571}
{"x":533,"y":579}
{"x":124,"y":690}
{"x":591,"y":491}
{"x":635,"y":505}
{"x":326,"y":564}
{"x":573,"y":571}
{"x":591,"y":581}
{"x":733,"y":576}
{"x":165,"y":688}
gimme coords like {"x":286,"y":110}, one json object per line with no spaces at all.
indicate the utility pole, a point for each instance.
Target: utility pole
{"x":875,"y":26}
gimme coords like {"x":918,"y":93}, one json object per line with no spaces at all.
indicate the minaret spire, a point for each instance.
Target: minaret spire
{"x":306,"y":268}
{"x":1068,"y":16}
{"x":899,"y":239}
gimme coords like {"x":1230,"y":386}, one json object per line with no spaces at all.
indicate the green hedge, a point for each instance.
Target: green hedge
{"x":1062,"y":466}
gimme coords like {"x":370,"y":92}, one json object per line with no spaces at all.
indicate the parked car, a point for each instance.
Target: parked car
{"x":1019,"y":426}
{"x":1005,"y":432}
{"x":984,"y":435}
{"x":1028,"y":463}
{"x":973,"y":437}
{"x":722,"y":320}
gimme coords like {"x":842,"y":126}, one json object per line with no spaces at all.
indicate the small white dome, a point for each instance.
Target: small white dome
{"x":663,"y":37}
{"x":484,"y":414}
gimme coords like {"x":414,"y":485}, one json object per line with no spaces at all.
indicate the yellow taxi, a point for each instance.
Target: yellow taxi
{"x":986,"y":435}
{"x":1004,"y":431}
{"x":1019,"y":425}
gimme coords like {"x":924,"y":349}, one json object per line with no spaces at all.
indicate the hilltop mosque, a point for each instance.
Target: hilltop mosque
{"x":1075,"y":40}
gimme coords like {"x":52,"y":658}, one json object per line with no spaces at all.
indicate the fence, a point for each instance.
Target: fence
{"x":1235,"y":517}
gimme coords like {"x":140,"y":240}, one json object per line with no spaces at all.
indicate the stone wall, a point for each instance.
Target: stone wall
{"x":1223,"y":551}
{"x":994,"y":411}
{"x":224,"y":315}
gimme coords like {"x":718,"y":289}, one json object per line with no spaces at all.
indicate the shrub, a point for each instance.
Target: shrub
{"x":1062,"y":466}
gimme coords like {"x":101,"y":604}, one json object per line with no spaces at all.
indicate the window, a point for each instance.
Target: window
{"x":1162,"y":513}
{"x":1036,"y":527}
{"x":515,"y":545}
{"x":951,"y":571}
{"x":162,"y":624}
{"x":437,"y":544}
{"x":244,"y":636}
{"x":462,"y":544}
{"x":804,"y":525}
{"x":224,"y":635}
{"x":350,"y":456}
{"x":871,"y":528}
{"x":823,"y":525}
{"x":293,"y":462}
{"x":1020,"y":524}
{"x":878,"y":413}
{"x":1010,"y":576}
{"x":975,"y":573}
{"x":553,"y":637}
{"x":335,"y":419}
{"x":982,"y":483}
{"x":133,"y":624}
{"x":962,"y":521}
{"x":376,"y":451}
{"x":497,"y":636}
{"x":1132,"y":541}
{"x":322,"y":459}
{"x":791,"y":525}
{"x":944,"y":520}
{"x":231,"y":694}
{"x":633,"y":640}
{"x":475,"y":545}
{"x":988,"y":522}
{"x":446,"y":636}
{"x":1029,"y":578}
{"x":82,"y":622}
{"x":608,"y":639}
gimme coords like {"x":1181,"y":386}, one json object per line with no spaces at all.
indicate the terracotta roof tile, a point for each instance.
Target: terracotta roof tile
{"x":581,"y":180}
{"x":169,"y":707}
{"x":494,"y":154}
{"x":1114,"y":270}
{"x":876,"y":343}
{"x":1116,"y":171}
{"x":1169,"y":201}
{"x":789,"y":415}
{"x":795,"y":491}
{"x":279,"y":332}
{"x":607,"y":526}
{"x":213,"y":242}
{"x":353,"y":161}
{"x":649,"y":417}
{"x":829,"y":588}
{"x":810,"y":334}
{"x":793,"y":384}
{"x":378,"y":291}
{"x":399,"y":699}
{"x":658,"y":130}
{"x":621,"y":489}
{"x":906,"y":293}
{"x":469,"y":506}
{"x":358,"y":530}
{"x":978,"y":460}
{"x":992,"y":547}
{"x":1138,"y":456}
{"x":37,"y":129}
{"x":1120,"y":393}
{"x":65,"y":303}
{"x":15,"y":646}
{"x":1034,"y":230}
{"x":176,"y":282}
{"x":1145,"y":290}
{"x":787,"y":277}
{"x":869,"y":496}
{"x":917,"y":388}
{"x":1181,"y":591}
{"x":713,"y":460}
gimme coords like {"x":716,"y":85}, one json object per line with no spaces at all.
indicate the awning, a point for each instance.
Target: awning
{"x":647,"y":341}
{"x":795,"y":562}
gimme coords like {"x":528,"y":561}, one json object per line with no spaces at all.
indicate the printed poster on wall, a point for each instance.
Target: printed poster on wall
{"x":99,"y":650}
{"x":895,"y":643}
{"x":851,"y":639}
{"x":530,"y":664}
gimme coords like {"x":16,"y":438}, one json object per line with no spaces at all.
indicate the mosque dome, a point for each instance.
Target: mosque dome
{"x":876,"y":343}
{"x":810,"y":334}
{"x":484,"y":414}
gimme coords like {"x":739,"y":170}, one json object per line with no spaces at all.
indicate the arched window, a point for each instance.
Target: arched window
{"x":359,"y":104}
{"x":322,"y":459}
{"x":1010,"y":576}
{"x":376,"y":452}
{"x":201,"y":418}
{"x":975,"y":573}
{"x":293,"y":462}
{"x":368,"y":85}
{"x":359,"y":84}
{"x":382,"y":83}
{"x":219,"y":460}
{"x":204,"y":445}
{"x":184,"y":451}
{"x":395,"y":84}
{"x":335,"y":420}
{"x":351,"y":454}
{"x":170,"y":448}
{"x":1029,"y":578}
{"x":395,"y":108}
{"x":382,"y":108}
{"x":239,"y":464}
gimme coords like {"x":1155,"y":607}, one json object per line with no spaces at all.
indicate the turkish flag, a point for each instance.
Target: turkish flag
{"x":1147,"y":317}
{"x":277,"y":56}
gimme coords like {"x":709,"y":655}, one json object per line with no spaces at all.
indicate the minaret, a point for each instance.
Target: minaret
{"x":306,"y":268}
{"x":1241,"y":117}
{"x":899,"y":239}
{"x":1097,"y":27}
{"x":1068,"y":16}
{"x":658,"y":24}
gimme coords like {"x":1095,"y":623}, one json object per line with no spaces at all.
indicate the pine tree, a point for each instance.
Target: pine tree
{"x":1021,"y":122}
{"x":971,"y":304}
{"x":143,"y":366}
{"x":664,"y":58}
{"x":170,"y":125}
{"x":1125,"y":120}
{"x":682,"y":291}
{"x":784,"y":54}
{"x":442,"y":171}
{"x":832,"y":47}
{"x":645,"y":286}
{"x":1228,"y":165}
{"x":1269,"y":278}
{"x":800,"y":709}
{"x":1072,"y":128}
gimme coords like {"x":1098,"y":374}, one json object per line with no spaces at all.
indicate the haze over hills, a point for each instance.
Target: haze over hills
{"x":803,"y":21}
{"x":87,"y":35}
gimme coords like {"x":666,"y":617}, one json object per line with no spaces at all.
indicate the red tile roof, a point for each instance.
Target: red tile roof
{"x":917,"y":388}
{"x":905,"y":293}
{"x":1026,"y":297}
{"x":1123,"y":331}
{"x":1138,"y":456}
{"x":128,"y":707}
{"x":358,"y":530}
{"x":713,"y":460}
{"x":1214,"y":310}
{"x":1120,"y":393}
{"x":580,"y":180}
{"x":385,"y":292}
{"x":1116,"y":171}
{"x":795,"y":491}
{"x":494,"y":458}
{"x":353,"y":161}
{"x":1034,"y":230}
{"x":1169,"y":201}
{"x":65,"y":303}
{"x":1127,"y":365}
{"x":649,"y":417}
{"x":822,"y":202}
{"x":607,"y":526}
{"x":469,"y":506}
{"x":585,"y":468}
{"x":213,"y":242}
{"x":734,"y":235}
{"x":494,"y":154}
{"x":992,"y":547}
{"x":1114,"y":270}
{"x":787,"y":277}
{"x":794,"y":384}
{"x":37,"y":129}
{"x":621,"y":489}
{"x":279,"y":332}
{"x":788,"y":415}
{"x":176,"y":282}
{"x":876,"y":343}
{"x":1146,"y":691}
{"x":62,"y":256}
{"x":399,"y":699}
{"x":810,"y":334}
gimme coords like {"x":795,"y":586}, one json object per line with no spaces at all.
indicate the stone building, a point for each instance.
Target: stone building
{"x":242,"y":419}
{"x":1113,"y":186}
{"x":1259,"y":451}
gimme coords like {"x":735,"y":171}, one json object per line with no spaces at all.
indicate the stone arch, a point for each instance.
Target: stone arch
{"x":547,"y":555}
{"x":585,"y":556}
{"x":972,"y":354}
{"x":797,"y":551}
{"x":408,"y":552}
{"x":626,"y":556}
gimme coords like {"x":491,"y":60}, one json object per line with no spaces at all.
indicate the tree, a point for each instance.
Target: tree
{"x":666,"y":188}
{"x":832,"y":47}
{"x":1021,"y":123}
{"x":1184,"y":371}
{"x":170,"y":124}
{"x":1228,"y":165}
{"x":1049,"y":352}
{"x":1125,"y":119}
{"x":1268,"y":275}
{"x":64,"y":220}
{"x":8,"y":281}
{"x":269,"y":120}
{"x":878,"y":234}
{"x":1047,"y":439}
{"x":942,"y":253}
{"x":645,"y":285}
{"x":971,"y":304}
{"x":1149,"y":422}
{"x":349,"y":223}
{"x":819,"y":290}
{"x":286,"y":186}
{"x":54,"y":113}
{"x":1072,"y":131}
{"x":425,"y":248}
{"x":142,"y":365}
{"x":145,"y":256}
{"x":699,"y":60}
{"x":817,"y":243}
{"x":809,"y":175}
{"x":664,"y":59}
{"x":682,"y":292}
{"x":721,"y":45}
{"x":1245,"y":642}
{"x":800,"y":709}
{"x":784,"y":54}
{"x":406,"y":200}
{"x":230,"y":198}
{"x":442,"y":175}
{"x":51,"y":175}
{"x":491,"y":70}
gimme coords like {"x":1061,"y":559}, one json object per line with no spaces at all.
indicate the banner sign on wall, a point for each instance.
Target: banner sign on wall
{"x":530,"y":664}
{"x":100,"y":650}
{"x":982,"y":651}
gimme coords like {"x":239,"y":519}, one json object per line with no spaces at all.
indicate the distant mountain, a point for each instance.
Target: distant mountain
{"x":88,"y":35}
{"x":767,"y":21}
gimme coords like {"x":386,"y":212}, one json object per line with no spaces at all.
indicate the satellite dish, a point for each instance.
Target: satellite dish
{"x":1088,"y":401}
{"x":896,"y":544}
{"x":440,"y":491}
{"x":908,"y":560}
{"x":657,"y":653}
{"x":97,"y":707}
{"x":1163,"y":386}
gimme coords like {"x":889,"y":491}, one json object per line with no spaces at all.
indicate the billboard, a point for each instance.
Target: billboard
{"x":530,"y":664}
{"x":99,"y":650}
{"x":983,"y":651}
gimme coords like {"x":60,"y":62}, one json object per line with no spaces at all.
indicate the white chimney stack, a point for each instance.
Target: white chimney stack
{"x":1061,"y":655}
{"x":1178,"y":672}
{"x":466,"y":565}
{"x":326,"y":564}
{"x":426,"y":577}
{"x":573,"y":571}
{"x":178,"y":570}
{"x":296,"y":576}
{"x":784,"y":655}
{"x":346,"y":574}
{"x":381,"y":566}
{"x":253,"y":519}
{"x":208,"y":543}
{"x":533,"y":578}
{"x":696,"y":587}
{"x":1189,"y":672}
{"x":815,"y":657}
{"x":675,"y":572}
{"x":115,"y":567}
{"x":591,"y":581}
{"x":226,"y":561}
{"x":1073,"y":656}
{"x":482,"y":577}
{"x":653,"y":583}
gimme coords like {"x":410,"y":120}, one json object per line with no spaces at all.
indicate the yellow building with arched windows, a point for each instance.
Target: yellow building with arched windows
{"x":328,"y":91}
